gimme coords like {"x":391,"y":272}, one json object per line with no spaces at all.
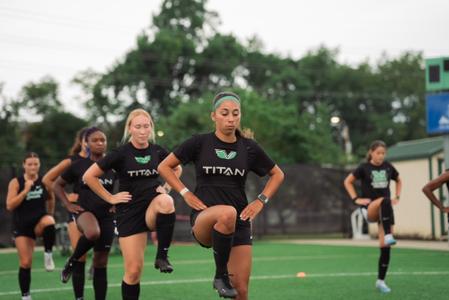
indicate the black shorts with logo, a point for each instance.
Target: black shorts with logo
{"x":25,"y":226}
{"x":242,"y":234}
{"x":106,"y":224}
{"x":131,"y":217}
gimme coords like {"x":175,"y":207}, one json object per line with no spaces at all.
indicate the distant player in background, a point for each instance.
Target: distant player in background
{"x":375,"y":175}
{"x":33,"y":207}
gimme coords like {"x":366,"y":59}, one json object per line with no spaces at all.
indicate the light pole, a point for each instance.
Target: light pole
{"x":343,"y":135}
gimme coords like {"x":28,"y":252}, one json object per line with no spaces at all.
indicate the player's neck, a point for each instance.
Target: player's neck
{"x":232,"y":138}
{"x":30,"y":177}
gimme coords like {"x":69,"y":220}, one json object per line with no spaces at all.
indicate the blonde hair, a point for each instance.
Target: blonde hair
{"x":135,"y":113}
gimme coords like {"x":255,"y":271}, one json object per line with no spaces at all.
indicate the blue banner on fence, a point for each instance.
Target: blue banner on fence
{"x":437,"y":107}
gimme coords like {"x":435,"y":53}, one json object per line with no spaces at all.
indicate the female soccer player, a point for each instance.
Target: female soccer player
{"x":32,"y":208}
{"x":221,"y":215}
{"x":77,"y":151}
{"x":94,"y":216}
{"x":142,"y":204}
{"x":375,"y":175}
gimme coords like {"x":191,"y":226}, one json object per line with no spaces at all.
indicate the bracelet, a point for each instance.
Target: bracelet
{"x":355,"y":199}
{"x":183,"y":191}
{"x":397,"y":197}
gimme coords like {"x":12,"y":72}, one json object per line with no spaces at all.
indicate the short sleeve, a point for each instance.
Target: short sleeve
{"x":358,"y":173}
{"x":259,"y":161}
{"x":162,"y":153}
{"x":69,"y":175}
{"x":111,"y":161}
{"x":394,"y":172}
{"x":188,"y":150}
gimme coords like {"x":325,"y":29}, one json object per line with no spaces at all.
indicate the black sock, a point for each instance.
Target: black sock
{"x":130,"y":291}
{"x":384,"y":260}
{"x":82,"y":247}
{"x":78,"y":278}
{"x":165,"y":223}
{"x":100,"y":283}
{"x":49,"y":237}
{"x":24,"y":280}
{"x":221,"y":244}
{"x":386,"y":214}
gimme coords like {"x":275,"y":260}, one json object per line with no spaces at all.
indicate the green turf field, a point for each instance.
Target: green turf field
{"x":332,"y":272}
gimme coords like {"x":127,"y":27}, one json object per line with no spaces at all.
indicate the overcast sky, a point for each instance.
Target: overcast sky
{"x":60,"y":38}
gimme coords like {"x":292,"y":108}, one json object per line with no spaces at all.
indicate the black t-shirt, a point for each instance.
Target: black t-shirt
{"x":87,"y":198}
{"x":136,"y":170}
{"x":34,"y":202}
{"x":221,"y":168}
{"x":73,"y":159}
{"x":375,"y":180}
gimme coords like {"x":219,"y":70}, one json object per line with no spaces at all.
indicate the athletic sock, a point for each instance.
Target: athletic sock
{"x":78,"y":278}
{"x":49,"y":238}
{"x":130,"y":291}
{"x":24,"y":280}
{"x":384,"y":261}
{"x":165,"y":223}
{"x":221,"y":244}
{"x":386,"y":214}
{"x":100,"y":283}
{"x":82,"y":247}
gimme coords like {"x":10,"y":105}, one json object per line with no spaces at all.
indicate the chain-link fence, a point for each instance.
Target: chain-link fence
{"x":311,"y":200}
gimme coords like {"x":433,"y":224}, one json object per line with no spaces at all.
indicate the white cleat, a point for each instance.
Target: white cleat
{"x":389,"y":240}
{"x":27,"y":297}
{"x":382,"y":286}
{"x":48,"y":262}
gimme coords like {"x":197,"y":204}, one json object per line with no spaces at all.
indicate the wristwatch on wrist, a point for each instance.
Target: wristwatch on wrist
{"x":263,"y":198}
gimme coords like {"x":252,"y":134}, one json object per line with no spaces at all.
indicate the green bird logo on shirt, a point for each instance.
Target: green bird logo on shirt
{"x":143,"y":159}
{"x":379,"y":179}
{"x":223,"y":155}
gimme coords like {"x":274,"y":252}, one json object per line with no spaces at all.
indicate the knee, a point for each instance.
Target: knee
{"x":48,"y":221}
{"x":166,"y":204}
{"x":132,"y":273}
{"x":26,"y":263}
{"x":228,"y":216}
{"x":92,"y":234}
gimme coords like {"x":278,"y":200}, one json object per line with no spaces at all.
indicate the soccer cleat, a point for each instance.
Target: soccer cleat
{"x":224,"y":287}
{"x":66,"y":272}
{"x":163,"y":265}
{"x":48,"y":262}
{"x":382,"y":286}
{"x":26,"y":297}
{"x":389,"y":240}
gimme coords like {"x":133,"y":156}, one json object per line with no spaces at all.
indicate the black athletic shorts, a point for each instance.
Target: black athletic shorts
{"x":106,"y":224}
{"x":25,"y":226}
{"x":131,"y":217}
{"x":379,"y":221}
{"x":242,"y":234}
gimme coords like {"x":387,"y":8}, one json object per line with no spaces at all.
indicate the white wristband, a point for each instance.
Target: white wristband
{"x":183,"y":191}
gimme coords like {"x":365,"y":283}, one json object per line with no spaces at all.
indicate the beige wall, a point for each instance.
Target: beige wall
{"x":413,"y":213}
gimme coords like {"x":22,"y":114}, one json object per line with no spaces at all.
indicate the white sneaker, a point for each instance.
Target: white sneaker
{"x":48,"y":261}
{"x":389,"y":240}
{"x":382,"y":286}
{"x":27,"y":297}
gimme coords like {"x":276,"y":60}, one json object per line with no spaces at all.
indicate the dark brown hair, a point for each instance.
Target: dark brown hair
{"x":246,"y":132}
{"x":76,"y":147}
{"x":30,"y":155}
{"x":374,"y":145}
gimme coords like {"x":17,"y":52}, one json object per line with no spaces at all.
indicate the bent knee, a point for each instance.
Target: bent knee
{"x":165,"y":204}
{"x":228,"y":214}
{"x":92,"y":235}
